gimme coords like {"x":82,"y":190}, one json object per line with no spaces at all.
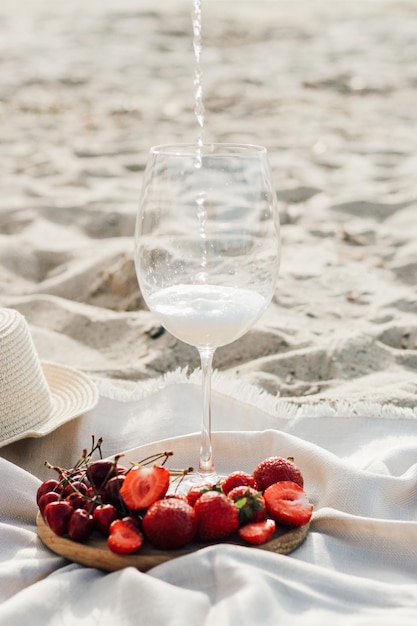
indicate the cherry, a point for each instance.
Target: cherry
{"x":104,"y":515}
{"x":112,"y":490}
{"x":79,"y":487}
{"x":99,"y":472}
{"x":76,"y":500}
{"x":93,"y":498}
{"x":67,"y":490}
{"x":46,"y":487}
{"x":57,"y":515}
{"x":50,"y":496}
{"x":81,"y":525}
{"x":71,"y":486}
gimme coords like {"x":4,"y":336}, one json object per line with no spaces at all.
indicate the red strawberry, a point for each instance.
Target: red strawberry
{"x":217,"y":516}
{"x":236,"y":479}
{"x":287,"y":503}
{"x":177,"y":496}
{"x":257,"y":532}
{"x":125,"y":537}
{"x":274,"y":469}
{"x":170,"y":523}
{"x":144,"y":485}
{"x":196,"y":491}
{"x":251,"y":504}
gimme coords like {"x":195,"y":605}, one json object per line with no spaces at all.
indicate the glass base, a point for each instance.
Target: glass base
{"x":184,"y":484}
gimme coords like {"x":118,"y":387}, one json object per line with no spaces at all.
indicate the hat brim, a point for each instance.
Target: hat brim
{"x":72,"y":394}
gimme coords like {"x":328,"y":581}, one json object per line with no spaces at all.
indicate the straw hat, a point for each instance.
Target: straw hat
{"x":35,"y":397}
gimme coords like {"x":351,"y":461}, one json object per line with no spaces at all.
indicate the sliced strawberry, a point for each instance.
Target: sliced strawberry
{"x":144,"y":485}
{"x":257,"y":532}
{"x":237,"y":479}
{"x":125,"y":537}
{"x":287,"y":503}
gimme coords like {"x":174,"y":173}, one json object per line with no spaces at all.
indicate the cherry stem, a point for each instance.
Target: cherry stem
{"x":179,"y":475}
{"x":152,"y":458}
{"x":181,"y":472}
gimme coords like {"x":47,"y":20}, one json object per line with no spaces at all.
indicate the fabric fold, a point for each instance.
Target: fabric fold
{"x":357,"y":565}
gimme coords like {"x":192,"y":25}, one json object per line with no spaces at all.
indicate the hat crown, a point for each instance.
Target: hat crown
{"x":35,"y":397}
{"x":25,"y":400}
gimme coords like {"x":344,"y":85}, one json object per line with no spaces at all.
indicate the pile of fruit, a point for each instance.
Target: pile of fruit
{"x":141,"y":503}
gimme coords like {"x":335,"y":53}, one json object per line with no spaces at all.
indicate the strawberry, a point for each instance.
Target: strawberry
{"x":144,"y":485}
{"x":170,"y":523}
{"x":236,"y":479}
{"x":196,"y":491}
{"x":251,"y":504}
{"x":257,"y":532}
{"x":125,"y":536}
{"x":274,"y":469}
{"x":177,"y":496}
{"x":217,"y":516}
{"x":287,"y":503}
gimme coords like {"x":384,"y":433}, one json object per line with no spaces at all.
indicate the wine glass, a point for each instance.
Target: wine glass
{"x":207,"y":251}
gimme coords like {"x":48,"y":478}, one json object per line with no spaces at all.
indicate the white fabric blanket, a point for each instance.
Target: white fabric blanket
{"x":357,"y":566}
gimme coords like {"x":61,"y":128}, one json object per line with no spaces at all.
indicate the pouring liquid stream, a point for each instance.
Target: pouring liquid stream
{"x":199,"y":112}
{"x":206,"y":465}
{"x":198,"y":77}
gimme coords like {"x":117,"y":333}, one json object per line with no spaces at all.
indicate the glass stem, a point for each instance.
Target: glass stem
{"x":206,"y":464}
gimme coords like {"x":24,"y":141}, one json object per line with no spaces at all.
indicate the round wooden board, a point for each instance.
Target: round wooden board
{"x":95,"y":552}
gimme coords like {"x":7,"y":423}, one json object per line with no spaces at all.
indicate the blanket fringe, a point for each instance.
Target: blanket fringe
{"x":124,"y":391}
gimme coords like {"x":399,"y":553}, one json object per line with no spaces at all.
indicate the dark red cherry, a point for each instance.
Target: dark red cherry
{"x":46,"y":487}
{"x":99,"y":472}
{"x":57,"y":515}
{"x":51,"y":496}
{"x":94,"y":497}
{"x":80,"y":487}
{"x":76,"y":500}
{"x":104,"y":515}
{"x":112,"y":490}
{"x":81,"y":525}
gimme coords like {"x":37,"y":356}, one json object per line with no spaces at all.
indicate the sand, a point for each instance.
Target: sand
{"x":328,"y":87}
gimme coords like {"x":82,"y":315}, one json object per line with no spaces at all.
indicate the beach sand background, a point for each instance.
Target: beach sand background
{"x":328,"y":87}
